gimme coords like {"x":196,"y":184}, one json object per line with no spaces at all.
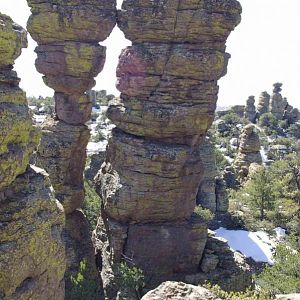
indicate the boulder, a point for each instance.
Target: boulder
{"x":179,"y":290}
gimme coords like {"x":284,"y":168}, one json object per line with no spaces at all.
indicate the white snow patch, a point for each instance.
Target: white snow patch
{"x":93,"y":147}
{"x":263,"y":155}
{"x":257,"y":245}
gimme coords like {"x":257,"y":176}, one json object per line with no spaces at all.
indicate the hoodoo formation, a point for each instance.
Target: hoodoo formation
{"x":69,"y":55}
{"x":32,"y":253}
{"x":149,"y":182}
{"x":248,"y":152}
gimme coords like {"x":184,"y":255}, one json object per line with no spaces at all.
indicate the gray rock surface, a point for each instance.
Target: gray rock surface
{"x":179,"y":291}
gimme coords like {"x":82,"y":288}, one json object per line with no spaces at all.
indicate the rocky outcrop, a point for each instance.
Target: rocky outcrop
{"x":32,"y":254}
{"x":212,"y":193}
{"x":250,"y":109}
{"x":291,"y":114}
{"x":69,"y":55}
{"x":180,"y":290}
{"x":278,"y":103}
{"x":168,"y":83}
{"x":222,"y":266}
{"x":248,"y":152}
{"x":263,"y":104}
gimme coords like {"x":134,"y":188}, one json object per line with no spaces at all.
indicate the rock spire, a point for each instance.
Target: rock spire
{"x":168,"y":83}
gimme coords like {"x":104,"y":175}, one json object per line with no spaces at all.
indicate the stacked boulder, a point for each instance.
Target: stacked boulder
{"x":32,"y":253}
{"x":149,"y":182}
{"x":248,"y":152}
{"x":250,"y":109}
{"x":278,"y":103}
{"x":68,"y":54}
{"x":263,"y":104}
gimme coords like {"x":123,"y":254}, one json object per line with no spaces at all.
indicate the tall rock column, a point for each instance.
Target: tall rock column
{"x":69,"y":55}
{"x":263,"y":104}
{"x":68,"y":33}
{"x":277,"y":104}
{"x":32,"y":254}
{"x":168,"y":80}
{"x":250,"y":109}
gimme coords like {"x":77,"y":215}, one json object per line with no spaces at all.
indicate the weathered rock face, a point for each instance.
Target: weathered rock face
{"x":180,"y":290}
{"x":250,"y":109}
{"x":17,"y":135}
{"x":263,"y":103}
{"x":62,"y":152}
{"x":206,"y":196}
{"x":168,"y":80}
{"x":32,"y":254}
{"x":212,"y":190}
{"x":248,"y":152}
{"x":278,"y":104}
{"x":96,"y":160}
{"x":70,"y":57}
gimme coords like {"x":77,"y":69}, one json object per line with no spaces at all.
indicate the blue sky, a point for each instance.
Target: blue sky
{"x":265,"y":48}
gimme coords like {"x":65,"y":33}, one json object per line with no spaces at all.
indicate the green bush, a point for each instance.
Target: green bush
{"x":204,"y":213}
{"x":284,"y":276}
{"x":130,"y":279}
{"x":91,"y":205}
{"x":82,"y":286}
{"x":247,"y":295}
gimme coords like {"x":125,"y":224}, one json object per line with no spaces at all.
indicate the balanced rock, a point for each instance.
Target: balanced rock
{"x":250,"y":109}
{"x":150,"y":179}
{"x":180,"y":291}
{"x":248,"y":152}
{"x":278,"y":104}
{"x":32,"y":253}
{"x":69,"y":55}
{"x":263,"y":103}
